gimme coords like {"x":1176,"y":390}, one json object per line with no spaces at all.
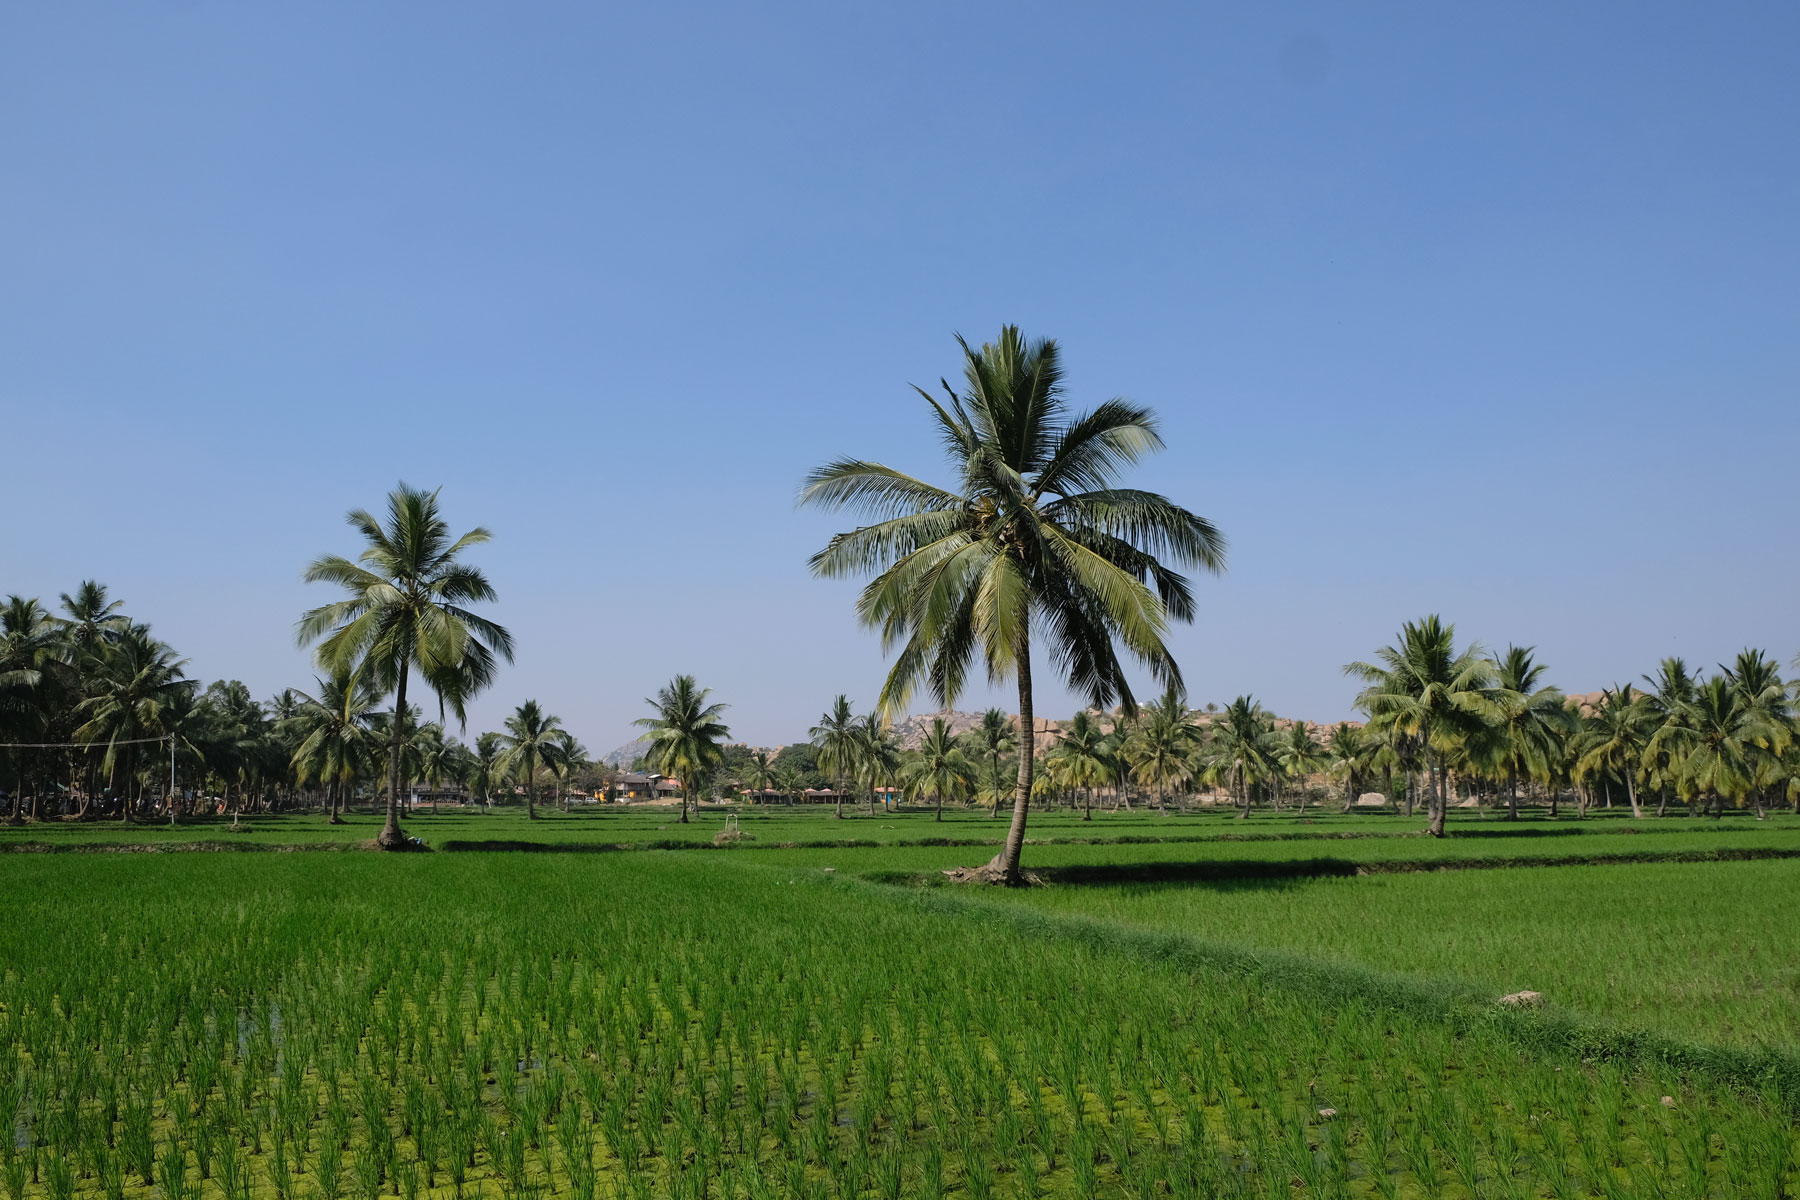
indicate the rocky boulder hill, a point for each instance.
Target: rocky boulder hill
{"x":625,"y":755}
{"x":1588,"y":703}
{"x":911,"y":732}
{"x":1048,"y":730}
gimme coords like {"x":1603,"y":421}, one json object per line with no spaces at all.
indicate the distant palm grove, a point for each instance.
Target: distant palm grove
{"x":1447,"y":727}
{"x":1036,"y":541}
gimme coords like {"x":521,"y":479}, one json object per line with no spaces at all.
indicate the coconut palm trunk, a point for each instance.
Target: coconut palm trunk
{"x":1440,"y":801}
{"x":390,"y":836}
{"x":1005,"y":865}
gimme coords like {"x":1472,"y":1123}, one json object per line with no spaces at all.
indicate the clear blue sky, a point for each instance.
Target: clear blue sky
{"x":1486,"y":311}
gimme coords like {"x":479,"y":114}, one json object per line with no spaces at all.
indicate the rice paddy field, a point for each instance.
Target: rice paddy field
{"x":1697,"y":950}
{"x":775,"y":826}
{"x":805,"y":1021}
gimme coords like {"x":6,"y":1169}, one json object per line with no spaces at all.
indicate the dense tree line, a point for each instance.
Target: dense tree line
{"x":92,"y":703}
{"x":1445,"y":726}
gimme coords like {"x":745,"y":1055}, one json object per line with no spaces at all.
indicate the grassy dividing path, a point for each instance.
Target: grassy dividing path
{"x":1550,"y":1031}
{"x":1689,"y":950}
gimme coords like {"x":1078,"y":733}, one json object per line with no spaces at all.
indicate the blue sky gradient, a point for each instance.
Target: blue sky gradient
{"x":1485,"y":312}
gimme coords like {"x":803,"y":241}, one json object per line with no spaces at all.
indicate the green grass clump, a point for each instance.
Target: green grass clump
{"x":699,"y":1024}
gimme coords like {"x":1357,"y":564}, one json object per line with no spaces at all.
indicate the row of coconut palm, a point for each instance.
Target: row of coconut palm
{"x":1448,"y":714}
{"x":1443,"y":723}
{"x":99,"y":718}
{"x":341,"y":739}
{"x":94,"y":708}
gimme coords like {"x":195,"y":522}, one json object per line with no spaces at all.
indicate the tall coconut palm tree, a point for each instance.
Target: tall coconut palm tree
{"x":993,"y":740}
{"x":1427,"y":691}
{"x":334,"y":740}
{"x":484,"y":765}
{"x":1299,"y":755}
{"x":1086,"y":753}
{"x":1612,"y":741}
{"x":685,"y":733}
{"x":1243,"y":749}
{"x":877,"y":755}
{"x":762,"y":774}
{"x":1757,"y":680}
{"x":837,"y":741}
{"x":533,"y":738}
{"x":1716,"y":741}
{"x":91,"y":621}
{"x":1348,"y":756}
{"x":239,"y":728}
{"x":571,"y":756}
{"x":1161,"y":746}
{"x":1669,"y":702}
{"x":940,"y":769}
{"x":37,"y":681}
{"x":1034,"y":538}
{"x":439,"y":757}
{"x":406,"y":611}
{"x":128,"y":703}
{"x":31,"y":647}
{"x":1533,"y":720}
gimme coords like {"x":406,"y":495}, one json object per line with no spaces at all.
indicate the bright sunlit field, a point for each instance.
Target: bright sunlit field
{"x":737,"y":1024}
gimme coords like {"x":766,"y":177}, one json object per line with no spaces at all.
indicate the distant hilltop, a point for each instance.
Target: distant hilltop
{"x":910,"y":731}
{"x":1047,"y":730}
{"x":627,"y":754}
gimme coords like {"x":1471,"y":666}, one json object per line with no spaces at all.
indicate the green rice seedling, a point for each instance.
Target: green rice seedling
{"x":406,"y":1181}
{"x":583,"y":1180}
{"x":889,"y":1171}
{"x":509,"y":1154}
{"x":136,"y":1141}
{"x":59,"y":1178}
{"x":1465,"y":1158}
{"x":366,"y":1170}
{"x":199,"y":1134}
{"x":109,"y":1173}
{"x":171,"y":1173}
{"x":16,"y":1174}
{"x":1417,"y":1150}
{"x":977,"y":1176}
{"x":1027,"y":1184}
{"x":461,"y":1156}
{"x":281,"y":1179}
{"x":1593,"y":1152}
{"x":234,"y":1174}
{"x":328,"y":1170}
{"x":1551,"y":1162}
